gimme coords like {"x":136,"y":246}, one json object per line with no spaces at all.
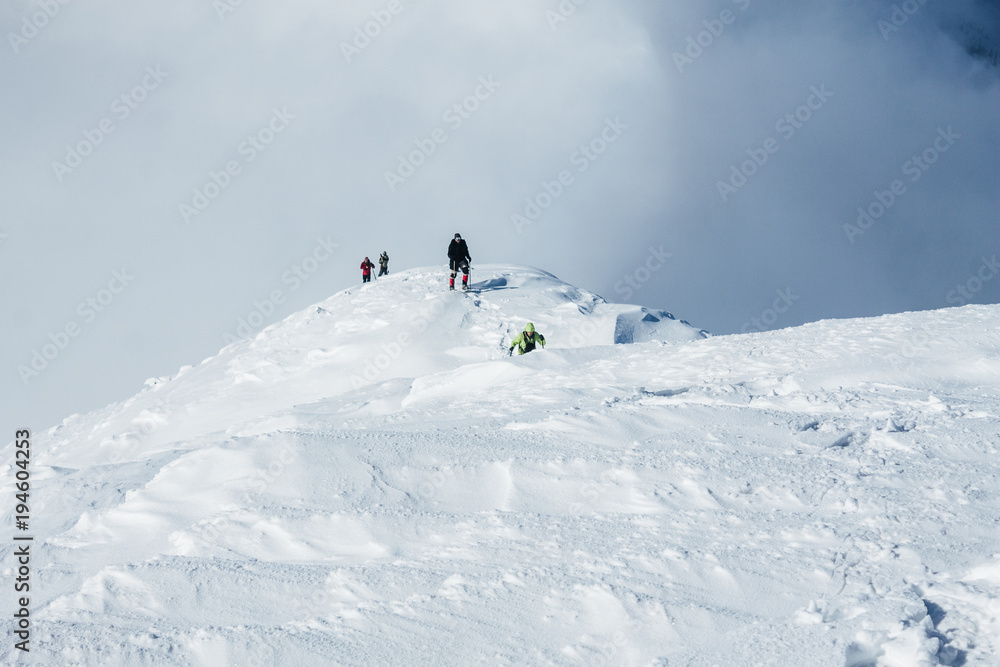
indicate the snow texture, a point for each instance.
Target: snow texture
{"x":372,"y":481}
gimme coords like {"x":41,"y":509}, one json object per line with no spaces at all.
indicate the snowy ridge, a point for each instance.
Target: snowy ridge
{"x":823,"y":495}
{"x":405,"y":325}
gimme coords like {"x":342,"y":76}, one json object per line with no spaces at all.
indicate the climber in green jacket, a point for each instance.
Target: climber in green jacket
{"x":526,"y":340}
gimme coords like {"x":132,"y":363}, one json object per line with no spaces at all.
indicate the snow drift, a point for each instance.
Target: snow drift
{"x":373,"y":481}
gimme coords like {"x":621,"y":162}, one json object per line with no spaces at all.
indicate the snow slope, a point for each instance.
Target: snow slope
{"x":373,"y":481}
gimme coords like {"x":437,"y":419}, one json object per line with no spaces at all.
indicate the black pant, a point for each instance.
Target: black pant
{"x":366,"y":277}
{"x":383,"y":271}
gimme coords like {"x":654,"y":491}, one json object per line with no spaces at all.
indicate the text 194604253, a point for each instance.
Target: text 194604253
{"x":22,"y":542}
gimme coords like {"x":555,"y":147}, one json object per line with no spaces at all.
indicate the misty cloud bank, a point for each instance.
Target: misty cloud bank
{"x":746,"y":165}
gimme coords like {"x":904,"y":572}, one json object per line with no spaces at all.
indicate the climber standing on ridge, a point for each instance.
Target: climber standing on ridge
{"x":366,"y":270}
{"x":526,"y":340}
{"x":458,"y":256}
{"x":383,"y":264}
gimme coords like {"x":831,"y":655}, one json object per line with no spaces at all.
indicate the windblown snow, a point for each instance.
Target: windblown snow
{"x":373,"y":481}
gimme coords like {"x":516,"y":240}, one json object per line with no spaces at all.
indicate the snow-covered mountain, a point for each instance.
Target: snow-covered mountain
{"x":374,"y":481}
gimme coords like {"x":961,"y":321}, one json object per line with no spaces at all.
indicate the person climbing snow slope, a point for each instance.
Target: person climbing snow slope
{"x":526,"y":340}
